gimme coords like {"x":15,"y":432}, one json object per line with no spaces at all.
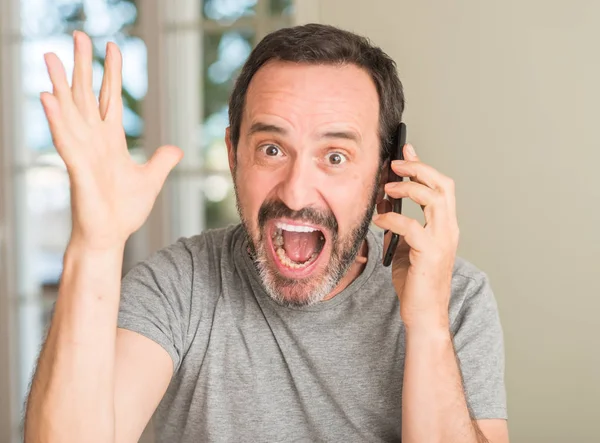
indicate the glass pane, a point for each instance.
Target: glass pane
{"x":35,"y":80}
{"x":224,"y":54}
{"x":99,"y":17}
{"x":281,"y":7}
{"x":219,"y":198}
{"x":37,"y":138}
{"x":41,"y":185}
{"x":43,"y":221}
{"x":228,"y":11}
{"x":49,"y":219}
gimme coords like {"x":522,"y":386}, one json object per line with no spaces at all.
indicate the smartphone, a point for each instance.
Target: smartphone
{"x":396,"y":203}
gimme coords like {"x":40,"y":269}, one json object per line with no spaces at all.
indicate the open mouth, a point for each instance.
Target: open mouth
{"x":297,"y":246}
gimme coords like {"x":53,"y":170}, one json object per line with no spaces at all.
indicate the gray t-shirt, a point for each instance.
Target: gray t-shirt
{"x":250,"y":370}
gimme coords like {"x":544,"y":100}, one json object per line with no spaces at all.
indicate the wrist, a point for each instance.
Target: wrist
{"x":83,"y":254}
{"x":428,"y":339}
{"x":90,"y":274}
{"x":438,"y":328}
{"x":96,"y":244}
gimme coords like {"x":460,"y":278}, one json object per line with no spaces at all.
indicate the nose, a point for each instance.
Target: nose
{"x":298,"y":186}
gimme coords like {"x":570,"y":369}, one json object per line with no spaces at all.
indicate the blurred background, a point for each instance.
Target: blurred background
{"x":500,"y":96}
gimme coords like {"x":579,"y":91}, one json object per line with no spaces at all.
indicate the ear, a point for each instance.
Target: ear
{"x":230,"y":150}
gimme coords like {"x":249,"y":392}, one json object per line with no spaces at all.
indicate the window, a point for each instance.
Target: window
{"x":218,"y":35}
{"x":181,"y":58}
{"x":39,"y":202}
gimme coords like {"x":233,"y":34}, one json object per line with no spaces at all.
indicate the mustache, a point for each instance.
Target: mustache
{"x":277,"y":209}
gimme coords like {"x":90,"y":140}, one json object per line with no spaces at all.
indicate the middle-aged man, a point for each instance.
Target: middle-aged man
{"x":286,"y":327}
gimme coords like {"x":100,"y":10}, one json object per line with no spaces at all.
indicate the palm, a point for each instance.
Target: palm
{"x":111,"y":194}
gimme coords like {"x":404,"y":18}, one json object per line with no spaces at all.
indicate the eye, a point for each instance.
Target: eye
{"x":336,"y":158}
{"x":271,"y":150}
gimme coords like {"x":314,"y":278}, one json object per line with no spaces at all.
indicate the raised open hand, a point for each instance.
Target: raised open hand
{"x":111,"y":195}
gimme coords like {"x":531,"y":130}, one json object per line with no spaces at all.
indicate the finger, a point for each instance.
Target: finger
{"x":417,"y":192}
{"x":384,"y":206}
{"x":383,"y":178}
{"x":113,"y":68}
{"x":410,"y":153}
{"x":83,"y":94}
{"x":424,"y":174}
{"x":58,"y":77}
{"x":162,"y":162}
{"x":56,"y":122}
{"x":105,"y":88}
{"x":61,"y":90}
{"x":434,"y":204}
{"x":51,"y":108}
{"x":410,"y":229}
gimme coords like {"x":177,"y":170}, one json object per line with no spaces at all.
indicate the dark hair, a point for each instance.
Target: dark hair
{"x":324,"y":44}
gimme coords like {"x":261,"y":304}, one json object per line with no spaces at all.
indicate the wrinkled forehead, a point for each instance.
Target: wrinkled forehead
{"x":309,"y":97}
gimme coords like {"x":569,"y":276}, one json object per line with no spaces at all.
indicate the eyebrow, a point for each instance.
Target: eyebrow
{"x":346,"y":135}
{"x":350,"y":135}
{"x":263,"y":127}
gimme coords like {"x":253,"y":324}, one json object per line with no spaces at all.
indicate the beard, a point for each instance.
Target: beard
{"x":315,"y":287}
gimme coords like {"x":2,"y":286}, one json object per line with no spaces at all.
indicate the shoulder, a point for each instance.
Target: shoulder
{"x":465,"y":274}
{"x":181,"y":259}
{"x":471,"y":293}
{"x":478,"y":341}
{"x":210,"y":244}
{"x":467,"y":279}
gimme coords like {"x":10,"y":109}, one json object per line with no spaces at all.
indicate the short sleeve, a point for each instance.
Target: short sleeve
{"x":479,"y":346}
{"x":156,"y":298}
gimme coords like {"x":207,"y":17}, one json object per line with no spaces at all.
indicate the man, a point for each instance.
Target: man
{"x":286,"y":327}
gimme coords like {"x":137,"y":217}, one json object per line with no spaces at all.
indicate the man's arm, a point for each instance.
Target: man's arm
{"x":143,"y":370}
{"x":93,"y":384}
{"x":434,"y":407}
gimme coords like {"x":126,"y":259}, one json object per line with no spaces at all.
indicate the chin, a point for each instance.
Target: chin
{"x":299,"y":254}
{"x":295,"y":294}
{"x":296,"y":278}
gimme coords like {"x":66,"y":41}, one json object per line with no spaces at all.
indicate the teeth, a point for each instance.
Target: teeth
{"x":291,"y":264}
{"x":278,"y":244}
{"x":295,"y":228}
{"x":278,"y":238}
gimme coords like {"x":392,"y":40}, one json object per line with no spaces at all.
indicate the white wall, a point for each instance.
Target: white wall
{"x":504,"y":97}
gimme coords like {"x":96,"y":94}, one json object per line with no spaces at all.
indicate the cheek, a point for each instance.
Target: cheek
{"x":253,"y":189}
{"x":348,"y":199}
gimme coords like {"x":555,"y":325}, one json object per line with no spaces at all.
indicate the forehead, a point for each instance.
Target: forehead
{"x":307,"y":96}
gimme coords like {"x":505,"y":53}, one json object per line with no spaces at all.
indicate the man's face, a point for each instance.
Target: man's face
{"x":305,"y":172}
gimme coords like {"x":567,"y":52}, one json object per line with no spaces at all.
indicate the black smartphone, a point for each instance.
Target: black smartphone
{"x":396,"y":203}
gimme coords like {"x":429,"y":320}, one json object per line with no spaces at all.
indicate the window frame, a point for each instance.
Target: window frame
{"x":10,"y":136}
{"x":162,"y":25}
{"x":167,"y":222}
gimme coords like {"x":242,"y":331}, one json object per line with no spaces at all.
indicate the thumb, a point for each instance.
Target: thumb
{"x":409,"y":153}
{"x":162,"y":162}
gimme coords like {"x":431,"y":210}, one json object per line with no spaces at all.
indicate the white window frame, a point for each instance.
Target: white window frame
{"x":10,"y":137}
{"x":173,"y":30}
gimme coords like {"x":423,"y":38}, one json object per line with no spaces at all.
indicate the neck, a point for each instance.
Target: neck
{"x":355,"y":270}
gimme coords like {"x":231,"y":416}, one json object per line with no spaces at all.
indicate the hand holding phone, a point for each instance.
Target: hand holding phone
{"x":395,"y":203}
